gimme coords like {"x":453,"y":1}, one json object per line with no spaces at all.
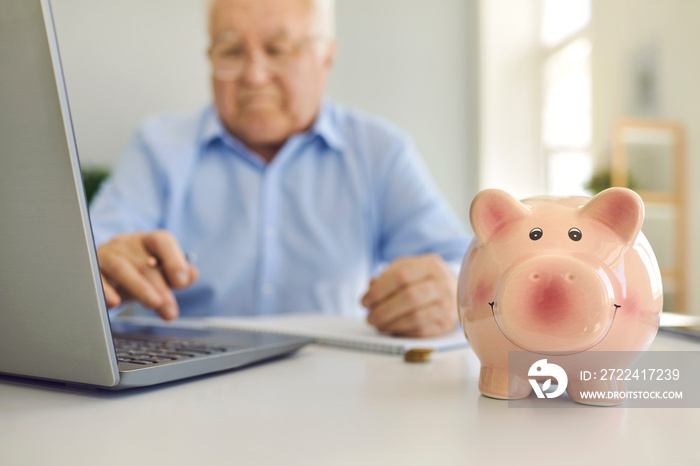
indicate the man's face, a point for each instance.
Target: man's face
{"x":273,"y":78}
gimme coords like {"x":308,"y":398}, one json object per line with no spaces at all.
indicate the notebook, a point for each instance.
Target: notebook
{"x":53,"y":317}
{"x":680,"y":324}
{"x":338,"y":331}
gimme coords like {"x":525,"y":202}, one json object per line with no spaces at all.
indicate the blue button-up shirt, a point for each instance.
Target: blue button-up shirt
{"x":303,"y":233}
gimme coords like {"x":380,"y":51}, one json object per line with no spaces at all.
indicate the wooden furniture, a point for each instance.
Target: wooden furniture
{"x":649,"y":156}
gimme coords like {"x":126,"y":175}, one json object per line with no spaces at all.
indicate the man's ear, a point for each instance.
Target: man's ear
{"x":329,"y":58}
{"x":621,"y":209}
{"x":493,"y":209}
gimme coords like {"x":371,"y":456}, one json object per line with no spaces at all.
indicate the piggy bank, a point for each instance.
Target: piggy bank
{"x":557,"y":278}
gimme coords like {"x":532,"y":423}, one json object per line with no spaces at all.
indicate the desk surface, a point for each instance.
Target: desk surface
{"x":326,"y":406}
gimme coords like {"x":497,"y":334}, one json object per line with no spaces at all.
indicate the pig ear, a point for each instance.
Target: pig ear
{"x":621,"y":209}
{"x":493,"y":209}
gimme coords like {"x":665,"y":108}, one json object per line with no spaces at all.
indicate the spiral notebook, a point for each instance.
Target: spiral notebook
{"x":338,"y":331}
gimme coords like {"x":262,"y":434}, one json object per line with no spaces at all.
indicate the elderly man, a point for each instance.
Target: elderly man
{"x":291,"y":203}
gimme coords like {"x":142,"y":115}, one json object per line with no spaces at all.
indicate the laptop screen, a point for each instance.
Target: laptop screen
{"x":53,"y":319}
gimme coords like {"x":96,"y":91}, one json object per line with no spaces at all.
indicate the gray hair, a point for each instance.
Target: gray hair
{"x":324,"y":10}
{"x":324,"y":25}
{"x":324,"y":20}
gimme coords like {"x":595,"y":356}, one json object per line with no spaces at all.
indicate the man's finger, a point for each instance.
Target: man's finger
{"x":399,"y":274}
{"x":131,"y":280}
{"x":194,"y":273}
{"x":171,"y":259}
{"x":111,"y":296}
{"x":408,"y":299}
{"x":168,"y":310}
{"x":424,"y":322}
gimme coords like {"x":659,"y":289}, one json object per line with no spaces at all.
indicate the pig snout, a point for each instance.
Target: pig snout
{"x":554,"y":304}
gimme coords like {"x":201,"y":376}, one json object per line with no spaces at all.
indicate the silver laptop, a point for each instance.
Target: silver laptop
{"x":53,"y":317}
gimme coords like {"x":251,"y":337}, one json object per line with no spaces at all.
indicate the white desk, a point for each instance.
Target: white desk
{"x":328,"y":406}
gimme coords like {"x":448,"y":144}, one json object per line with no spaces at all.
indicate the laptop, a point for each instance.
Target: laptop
{"x":53,"y":316}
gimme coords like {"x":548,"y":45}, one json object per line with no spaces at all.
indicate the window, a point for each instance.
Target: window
{"x":566,"y":119}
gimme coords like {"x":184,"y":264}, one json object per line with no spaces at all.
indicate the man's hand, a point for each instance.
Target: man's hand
{"x":415,"y":297}
{"x":144,"y":267}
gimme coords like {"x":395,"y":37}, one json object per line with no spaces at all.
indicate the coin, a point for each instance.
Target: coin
{"x":418,"y":355}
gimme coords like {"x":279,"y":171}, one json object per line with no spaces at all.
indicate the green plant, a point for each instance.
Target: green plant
{"x":93,"y":176}
{"x":599,"y":181}
{"x":602,"y":180}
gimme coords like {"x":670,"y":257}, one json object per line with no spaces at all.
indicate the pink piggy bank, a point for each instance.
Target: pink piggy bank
{"x":556,"y":276}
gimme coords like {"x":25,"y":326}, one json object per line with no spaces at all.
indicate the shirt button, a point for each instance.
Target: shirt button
{"x":268,"y":289}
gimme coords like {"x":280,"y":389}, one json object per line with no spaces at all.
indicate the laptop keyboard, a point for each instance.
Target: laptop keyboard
{"x":149,"y":352}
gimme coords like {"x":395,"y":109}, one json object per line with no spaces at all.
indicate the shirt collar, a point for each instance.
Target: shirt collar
{"x":325,"y":127}
{"x":212,"y":129}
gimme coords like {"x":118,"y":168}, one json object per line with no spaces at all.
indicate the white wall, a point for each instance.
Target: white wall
{"x":510,"y":156}
{"x":126,"y":59}
{"x":415,"y":63}
{"x":622,"y":29}
{"x":411,"y":61}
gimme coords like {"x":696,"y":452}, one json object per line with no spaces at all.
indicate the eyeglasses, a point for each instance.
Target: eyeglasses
{"x":230,"y":57}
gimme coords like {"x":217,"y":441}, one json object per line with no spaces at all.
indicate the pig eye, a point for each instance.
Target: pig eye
{"x":575,"y":234}
{"x":535,"y":234}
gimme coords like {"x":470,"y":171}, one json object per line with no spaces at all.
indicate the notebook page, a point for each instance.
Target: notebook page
{"x":338,"y":331}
